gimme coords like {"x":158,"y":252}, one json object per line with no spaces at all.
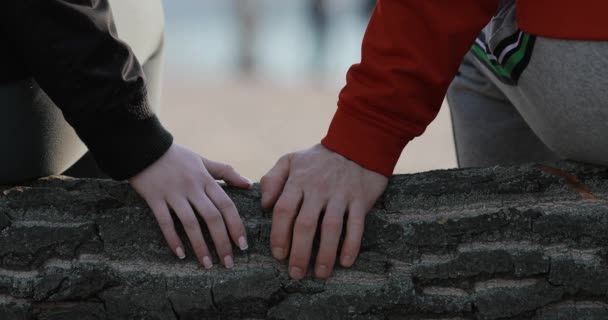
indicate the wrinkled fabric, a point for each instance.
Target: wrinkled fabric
{"x":71,"y":49}
{"x":411,"y":52}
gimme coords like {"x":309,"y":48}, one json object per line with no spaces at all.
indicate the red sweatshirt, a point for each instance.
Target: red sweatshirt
{"x":411,"y":51}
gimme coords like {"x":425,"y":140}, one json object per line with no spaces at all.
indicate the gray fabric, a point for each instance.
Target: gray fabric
{"x":34,"y":138}
{"x":558,"y":109}
{"x":488,"y":130}
{"x":503,"y":24}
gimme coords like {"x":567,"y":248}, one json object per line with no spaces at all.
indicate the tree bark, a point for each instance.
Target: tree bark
{"x":520,"y":242}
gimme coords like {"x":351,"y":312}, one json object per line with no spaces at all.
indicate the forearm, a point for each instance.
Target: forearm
{"x":411,"y":52}
{"x":72,"y":50}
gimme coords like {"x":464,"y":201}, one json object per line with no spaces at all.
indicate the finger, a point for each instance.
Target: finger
{"x":354,"y":233}
{"x":331,"y":229}
{"x":217,"y":229}
{"x":165,"y":221}
{"x":274,"y":181}
{"x":283,"y":215}
{"x":184,"y":212}
{"x":231,"y":216}
{"x":303,"y":235}
{"x":222,"y":171}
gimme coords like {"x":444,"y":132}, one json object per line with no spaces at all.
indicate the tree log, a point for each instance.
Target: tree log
{"x":519,"y":242}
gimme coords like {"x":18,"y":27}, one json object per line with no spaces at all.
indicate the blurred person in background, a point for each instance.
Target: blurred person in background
{"x":65,"y":65}
{"x":368,"y":7}
{"x":319,"y":22}
{"x":246,"y":12}
{"x":531,"y":87}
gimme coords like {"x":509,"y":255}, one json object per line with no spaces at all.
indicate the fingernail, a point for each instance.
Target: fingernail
{"x":249,"y":182}
{"x":228,"y":262}
{"x":207,"y":263}
{"x":296,"y":273}
{"x":278,"y":253}
{"x":322,"y":270}
{"x":347,"y":260}
{"x":243,"y":243}
{"x":180,"y":252}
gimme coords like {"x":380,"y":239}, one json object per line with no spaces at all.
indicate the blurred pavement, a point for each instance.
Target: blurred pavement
{"x":251,"y":124}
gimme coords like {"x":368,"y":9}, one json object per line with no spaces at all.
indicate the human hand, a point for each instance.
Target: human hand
{"x":307,"y":183}
{"x":182,"y":180}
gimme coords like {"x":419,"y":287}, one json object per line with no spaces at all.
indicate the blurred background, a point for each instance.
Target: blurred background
{"x":247,"y":81}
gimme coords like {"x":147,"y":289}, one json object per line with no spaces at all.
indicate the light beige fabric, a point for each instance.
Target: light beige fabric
{"x":140,"y":23}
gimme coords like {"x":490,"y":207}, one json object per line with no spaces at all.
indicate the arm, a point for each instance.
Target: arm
{"x":72,"y":50}
{"x":411,"y":51}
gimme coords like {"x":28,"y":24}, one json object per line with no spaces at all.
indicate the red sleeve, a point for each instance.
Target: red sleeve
{"x":411,"y":52}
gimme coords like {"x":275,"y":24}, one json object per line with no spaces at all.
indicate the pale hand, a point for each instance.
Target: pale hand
{"x":304,"y":184}
{"x":184,"y":182}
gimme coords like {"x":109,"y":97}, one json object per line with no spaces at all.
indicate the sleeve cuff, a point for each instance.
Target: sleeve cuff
{"x":126,"y":150}
{"x":364,"y":143}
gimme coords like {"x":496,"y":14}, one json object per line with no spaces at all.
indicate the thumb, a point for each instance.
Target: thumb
{"x":273,"y":182}
{"x":222,"y":171}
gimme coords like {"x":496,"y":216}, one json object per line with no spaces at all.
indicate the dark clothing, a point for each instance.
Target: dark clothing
{"x":71,"y":49}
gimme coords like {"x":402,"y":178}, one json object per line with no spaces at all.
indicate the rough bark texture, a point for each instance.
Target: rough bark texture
{"x":523,"y":242}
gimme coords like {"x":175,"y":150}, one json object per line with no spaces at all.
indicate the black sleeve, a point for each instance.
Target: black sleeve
{"x":72,"y":50}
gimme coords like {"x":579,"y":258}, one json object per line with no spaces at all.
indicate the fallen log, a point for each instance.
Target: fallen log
{"x":520,"y":242}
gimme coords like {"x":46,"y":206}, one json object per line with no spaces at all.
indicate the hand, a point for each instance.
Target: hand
{"x":307,"y":183}
{"x":182,"y":180}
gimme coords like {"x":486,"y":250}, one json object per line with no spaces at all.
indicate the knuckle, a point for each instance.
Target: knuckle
{"x":350,"y":248}
{"x":208,"y":183}
{"x":225,"y":169}
{"x":222,"y":243}
{"x":277,"y":240}
{"x":298,"y":262}
{"x":200,"y":248}
{"x":319,"y":186}
{"x":190,"y":224}
{"x":283,"y":208}
{"x":190,"y":183}
{"x":357,"y":223}
{"x":332,"y":223}
{"x":267,"y":179}
{"x":324,"y":188}
{"x":225,"y":205}
{"x":199,"y":245}
{"x":212,"y":217}
{"x":165,"y":222}
{"x":279,"y":235}
{"x":354,"y":193}
{"x":323,"y":256}
{"x":306,"y":223}
{"x":224,"y":246}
